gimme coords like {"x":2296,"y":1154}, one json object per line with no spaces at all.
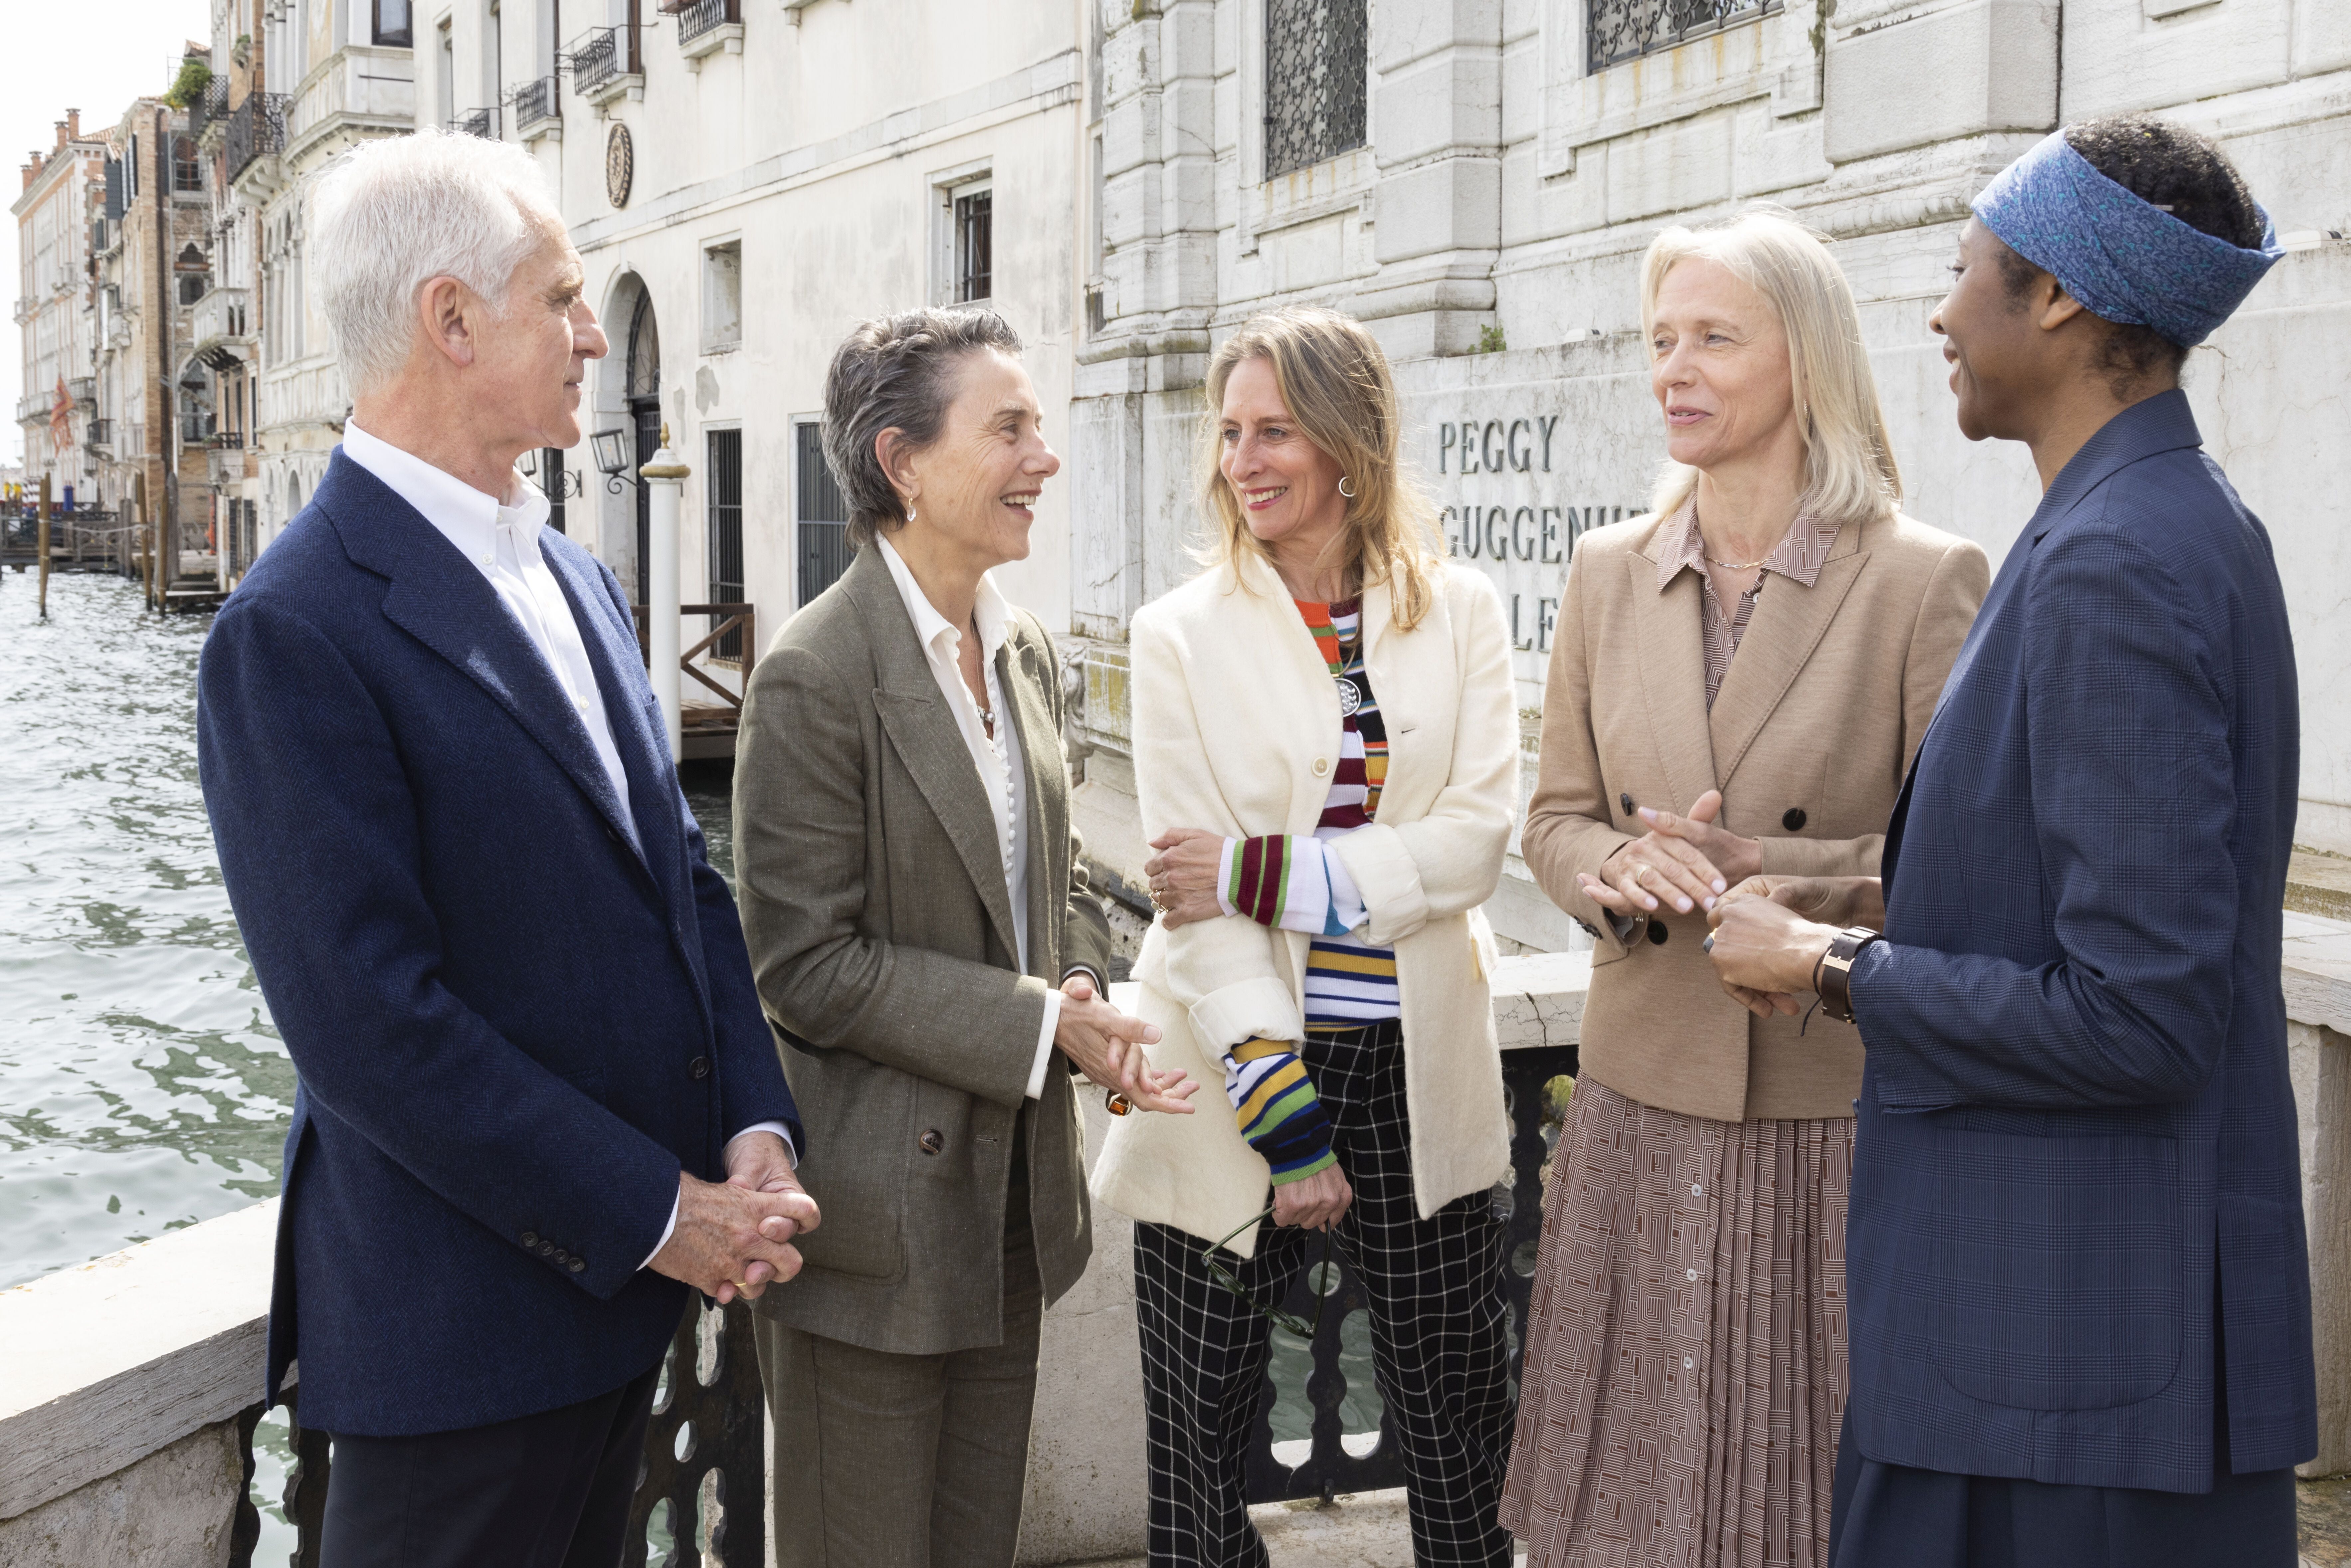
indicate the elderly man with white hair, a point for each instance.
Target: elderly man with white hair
{"x":538,"y":1099}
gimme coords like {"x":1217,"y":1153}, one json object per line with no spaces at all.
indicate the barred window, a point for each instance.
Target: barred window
{"x":1620,"y":30}
{"x":1315,"y":70}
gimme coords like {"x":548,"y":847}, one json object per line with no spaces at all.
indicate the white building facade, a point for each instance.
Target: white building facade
{"x":1477,"y":179}
{"x":59,"y":216}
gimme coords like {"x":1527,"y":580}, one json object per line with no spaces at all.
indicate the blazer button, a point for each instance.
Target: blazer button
{"x":1793,"y":818}
{"x":578,"y":1265}
{"x":1656,"y":932}
{"x":1321,"y":765}
{"x":932,"y":1142}
{"x":699,"y":1068}
{"x":1626,"y":801}
{"x":530,"y":1237}
{"x":546,"y":1249}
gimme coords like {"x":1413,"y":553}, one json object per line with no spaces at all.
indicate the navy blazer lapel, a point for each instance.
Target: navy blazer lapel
{"x":639,"y":733}
{"x":439,"y":597}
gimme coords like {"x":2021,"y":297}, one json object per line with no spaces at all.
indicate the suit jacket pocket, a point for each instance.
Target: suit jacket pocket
{"x":858,"y":1114}
{"x":2055,"y":1268}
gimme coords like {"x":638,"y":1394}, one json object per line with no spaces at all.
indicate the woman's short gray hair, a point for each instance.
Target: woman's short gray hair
{"x":897,"y":372}
{"x":390,"y":215}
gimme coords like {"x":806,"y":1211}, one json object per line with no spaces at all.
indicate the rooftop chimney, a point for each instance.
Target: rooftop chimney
{"x":32,"y":171}
{"x":61,"y":137}
{"x":73,"y":123}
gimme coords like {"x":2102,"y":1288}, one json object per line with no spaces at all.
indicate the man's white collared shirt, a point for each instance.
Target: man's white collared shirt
{"x":998,"y":759}
{"x":501,"y":541}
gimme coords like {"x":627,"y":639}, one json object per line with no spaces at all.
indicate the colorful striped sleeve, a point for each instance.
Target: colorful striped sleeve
{"x":1289,"y":883}
{"x":1280,"y":1114}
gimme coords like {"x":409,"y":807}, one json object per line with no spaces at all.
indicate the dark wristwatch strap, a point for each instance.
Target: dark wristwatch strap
{"x":1833,"y":979}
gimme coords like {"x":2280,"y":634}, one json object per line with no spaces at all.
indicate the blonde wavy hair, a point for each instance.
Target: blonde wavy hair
{"x":1335,"y":382}
{"x":1850,"y":474}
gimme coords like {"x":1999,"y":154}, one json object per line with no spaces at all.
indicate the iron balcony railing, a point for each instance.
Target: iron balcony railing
{"x":1620,"y":30}
{"x":255,"y":127}
{"x":607,"y":54}
{"x":481,"y":123}
{"x":702,"y":15}
{"x":536,"y":100}
{"x":101,"y":433}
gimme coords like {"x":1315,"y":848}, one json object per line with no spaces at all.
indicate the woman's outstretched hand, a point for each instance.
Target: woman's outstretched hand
{"x":1687,"y":862}
{"x":1183,"y":875}
{"x":1107,"y":1045}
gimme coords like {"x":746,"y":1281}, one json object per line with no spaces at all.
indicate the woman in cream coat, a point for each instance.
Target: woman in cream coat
{"x":1326,"y":750}
{"x":1737,"y":685}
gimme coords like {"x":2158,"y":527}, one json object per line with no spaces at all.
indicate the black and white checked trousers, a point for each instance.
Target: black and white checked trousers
{"x":1439,"y":1328}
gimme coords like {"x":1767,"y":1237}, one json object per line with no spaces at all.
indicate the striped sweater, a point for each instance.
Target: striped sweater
{"x":1296,"y":883}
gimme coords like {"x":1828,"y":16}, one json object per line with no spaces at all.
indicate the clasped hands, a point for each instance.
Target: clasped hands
{"x":1770,"y":933}
{"x":734,"y":1237}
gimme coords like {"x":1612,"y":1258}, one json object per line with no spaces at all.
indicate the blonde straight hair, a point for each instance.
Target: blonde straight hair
{"x":1335,"y":382}
{"x":1850,"y":474}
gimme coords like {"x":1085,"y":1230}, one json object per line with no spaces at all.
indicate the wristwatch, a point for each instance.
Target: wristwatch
{"x":1833,"y":976}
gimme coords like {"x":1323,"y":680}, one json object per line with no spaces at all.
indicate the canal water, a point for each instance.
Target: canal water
{"x":142,"y":1086}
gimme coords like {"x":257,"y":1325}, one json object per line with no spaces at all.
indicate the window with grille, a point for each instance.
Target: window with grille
{"x":823,"y":516}
{"x":723,"y":484}
{"x":1315,"y":81}
{"x":1621,"y":30}
{"x":975,"y":245}
{"x":187,"y":169}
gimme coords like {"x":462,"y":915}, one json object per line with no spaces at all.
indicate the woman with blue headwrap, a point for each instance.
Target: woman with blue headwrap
{"x":2079,"y":1287}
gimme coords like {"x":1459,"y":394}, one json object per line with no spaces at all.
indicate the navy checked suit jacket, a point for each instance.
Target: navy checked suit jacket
{"x":2076,"y":1122}
{"x":512,"y":1026}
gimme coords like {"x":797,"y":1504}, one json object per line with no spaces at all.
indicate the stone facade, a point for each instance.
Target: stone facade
{"x":330,"y":86}
{"x":1490,"y":228}
{"x":58,"y":216}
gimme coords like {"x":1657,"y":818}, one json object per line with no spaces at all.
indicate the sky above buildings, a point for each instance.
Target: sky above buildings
{"x":96,"y":57}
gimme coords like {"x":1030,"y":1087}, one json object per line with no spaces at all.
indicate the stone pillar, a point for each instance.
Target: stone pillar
{"x":665,"y":476}
{"x":1437,"y":130}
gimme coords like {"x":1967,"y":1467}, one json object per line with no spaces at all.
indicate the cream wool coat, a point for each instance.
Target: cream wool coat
{"x":1236,"y":730}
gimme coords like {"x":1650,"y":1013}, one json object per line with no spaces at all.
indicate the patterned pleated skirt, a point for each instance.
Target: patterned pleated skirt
{"x":1686,"y":1350}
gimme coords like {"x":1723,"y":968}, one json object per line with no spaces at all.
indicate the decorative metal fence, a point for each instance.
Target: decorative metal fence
{"x":608,"y":53}
{"x":481,"y":123}
{"x":255,"y":127}
{"x":536,"y":100}
{"x":702,"y":15}
{"x":1620,"y":30}
{"x":1315,"y":81}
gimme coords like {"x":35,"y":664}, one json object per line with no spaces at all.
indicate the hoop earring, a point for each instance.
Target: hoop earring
{"x":1342,"y":487}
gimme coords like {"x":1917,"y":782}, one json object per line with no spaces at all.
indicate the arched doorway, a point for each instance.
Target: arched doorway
{"x":644,"y":421}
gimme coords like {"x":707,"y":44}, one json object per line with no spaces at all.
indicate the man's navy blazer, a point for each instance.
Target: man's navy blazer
{"x":2075,"y":1123}
{"x":513,"y":1025}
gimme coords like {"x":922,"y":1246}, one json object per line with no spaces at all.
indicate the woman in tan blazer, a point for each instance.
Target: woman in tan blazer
{"x":1738,"y":686}
{"x":1326,"y":754}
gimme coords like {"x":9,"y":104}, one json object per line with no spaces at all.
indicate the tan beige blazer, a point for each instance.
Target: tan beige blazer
{"x":1237,"y":731}
{"x":1808,"y":741}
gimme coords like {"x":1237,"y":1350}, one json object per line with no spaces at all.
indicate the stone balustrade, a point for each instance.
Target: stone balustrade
{"x":125,"y":1379}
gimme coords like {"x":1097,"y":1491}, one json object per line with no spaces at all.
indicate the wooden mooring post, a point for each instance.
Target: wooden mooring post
{"x":41,"y":546}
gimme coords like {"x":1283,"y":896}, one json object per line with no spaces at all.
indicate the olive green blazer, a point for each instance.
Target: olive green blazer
{"x":881,"y":933}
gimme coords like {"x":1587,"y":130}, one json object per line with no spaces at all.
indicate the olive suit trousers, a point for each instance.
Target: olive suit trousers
{"x":895,"y":1461}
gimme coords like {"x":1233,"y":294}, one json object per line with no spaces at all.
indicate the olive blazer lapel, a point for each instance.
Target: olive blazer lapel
{"x":1022,"y":669}
{"x":923,"y":734}
{"x":1785,"y":627}
{"x":1671,"y":652}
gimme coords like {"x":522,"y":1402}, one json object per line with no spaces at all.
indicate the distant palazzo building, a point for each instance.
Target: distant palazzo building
{"x":151,"y":264}
{"x":58,"y":217}
{"x":226,"y":319}
{"x":1478,"y":178}
{"x":329,"y":74}
{"x":747,"y":179}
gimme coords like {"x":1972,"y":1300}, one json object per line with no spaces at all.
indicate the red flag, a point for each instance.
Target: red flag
{"x":60,"y":418}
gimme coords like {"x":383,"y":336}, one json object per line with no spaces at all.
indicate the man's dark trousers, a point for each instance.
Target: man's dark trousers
{"x":550,"y":1490}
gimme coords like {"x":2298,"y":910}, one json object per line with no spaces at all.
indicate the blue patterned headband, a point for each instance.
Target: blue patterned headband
{"x":2124,"y":259}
